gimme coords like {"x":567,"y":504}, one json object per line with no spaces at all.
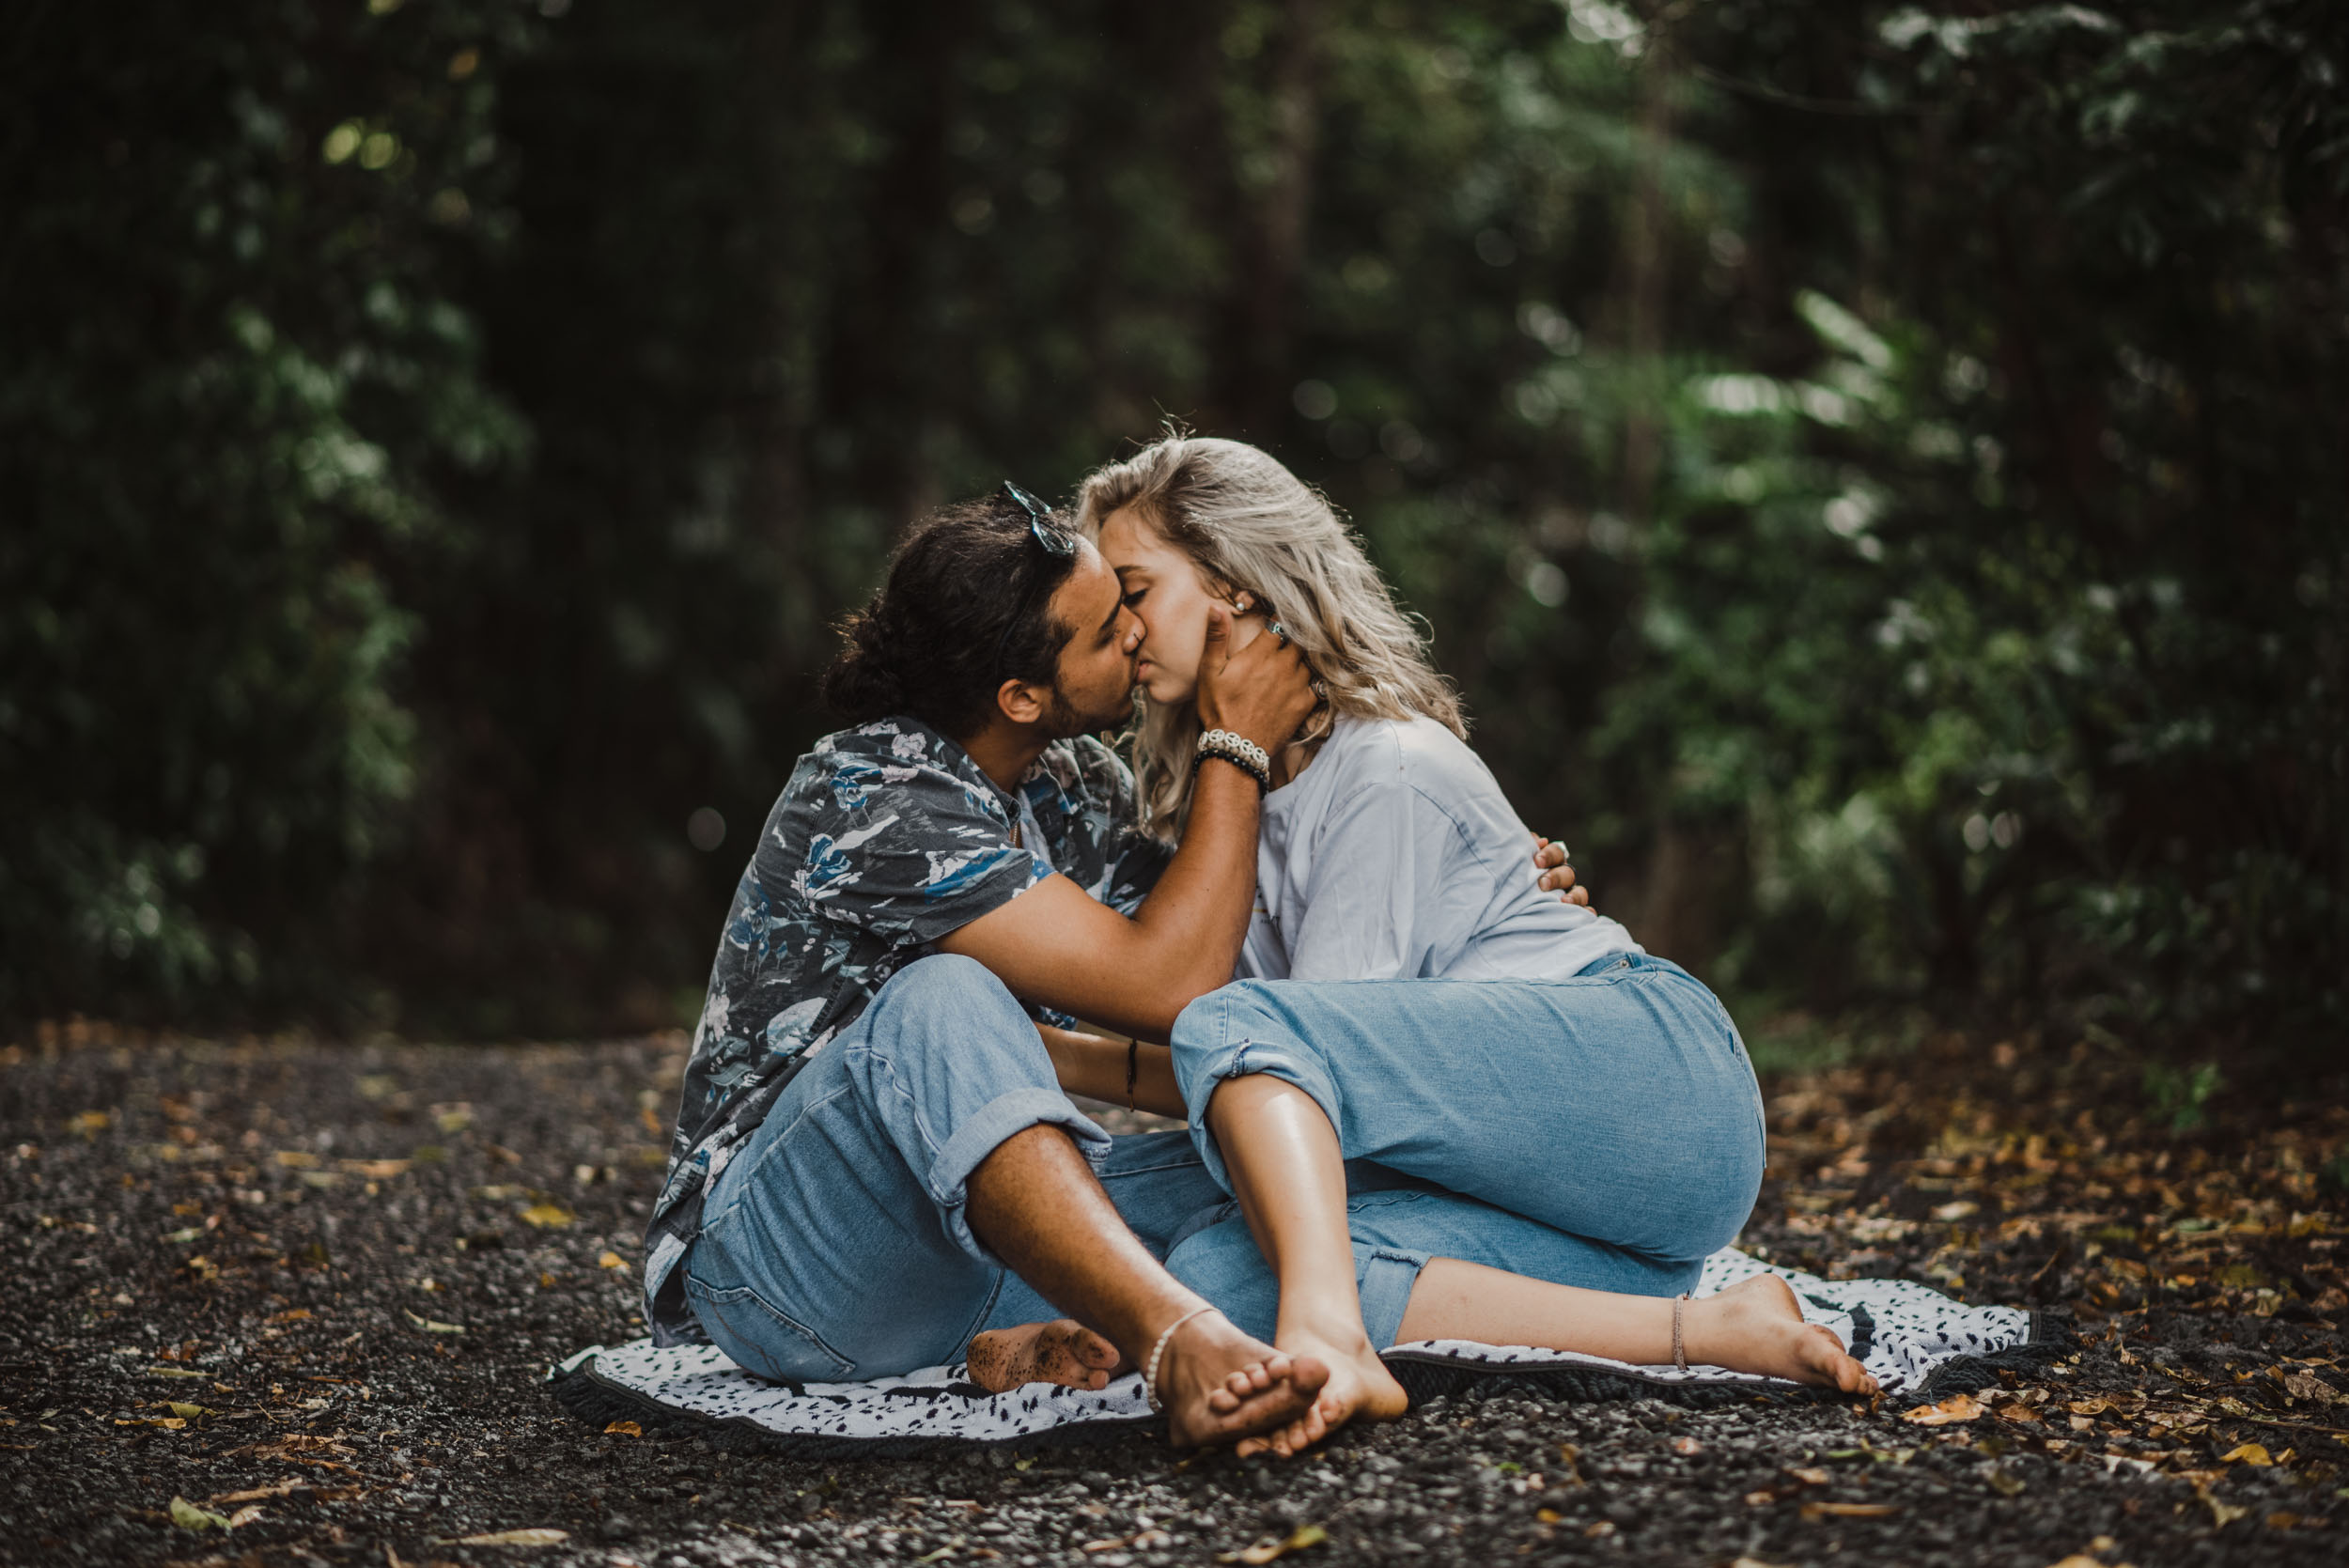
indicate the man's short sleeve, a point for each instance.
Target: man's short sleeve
{"x":899,"y":844}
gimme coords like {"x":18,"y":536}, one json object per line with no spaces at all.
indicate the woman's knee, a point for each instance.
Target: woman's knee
{"x":1240,"y":1029}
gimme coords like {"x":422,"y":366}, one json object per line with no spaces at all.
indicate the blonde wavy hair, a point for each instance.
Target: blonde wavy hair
{"x":1248,"y":523}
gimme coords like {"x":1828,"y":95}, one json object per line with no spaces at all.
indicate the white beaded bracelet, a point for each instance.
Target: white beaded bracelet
{"x":1150,"y":1369}
{"x":1237,"y":750}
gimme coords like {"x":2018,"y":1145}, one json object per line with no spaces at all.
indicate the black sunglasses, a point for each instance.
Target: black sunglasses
{"x":1058,"y":543}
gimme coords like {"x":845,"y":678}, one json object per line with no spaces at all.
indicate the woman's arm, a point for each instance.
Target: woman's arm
{"x":1094,"y":1066}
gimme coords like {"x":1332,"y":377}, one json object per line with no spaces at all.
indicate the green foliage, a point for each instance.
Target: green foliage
{"x":231,"y":367}
{"x":1874,"y":473}
{"x":2009,"y":645}
{"x":2179,"y":1094}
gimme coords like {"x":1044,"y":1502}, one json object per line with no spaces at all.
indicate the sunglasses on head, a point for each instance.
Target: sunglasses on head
{"x":1058,"y":543}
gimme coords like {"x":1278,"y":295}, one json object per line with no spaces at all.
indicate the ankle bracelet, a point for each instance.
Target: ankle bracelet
{"x":1150,"y":1368}
{"x":1680,"y":1355}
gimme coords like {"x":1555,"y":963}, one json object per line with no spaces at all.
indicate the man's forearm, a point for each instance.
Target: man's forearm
{"x":1196,"y":917}
{"x":1094,"y":1066}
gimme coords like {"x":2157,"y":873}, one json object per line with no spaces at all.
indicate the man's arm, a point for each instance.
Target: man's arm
{"x":1055,"y":945}
{"x":1095,"y":1067}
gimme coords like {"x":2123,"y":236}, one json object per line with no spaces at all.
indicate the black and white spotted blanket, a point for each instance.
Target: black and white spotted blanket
{"x":1917,"y":1342}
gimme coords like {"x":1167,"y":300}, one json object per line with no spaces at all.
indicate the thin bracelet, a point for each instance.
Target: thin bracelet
{"x":1264,"y":783}
{"x":1150,"y":1368}
{"x":1134,"y":1070}
{"x":1680,"y":1357}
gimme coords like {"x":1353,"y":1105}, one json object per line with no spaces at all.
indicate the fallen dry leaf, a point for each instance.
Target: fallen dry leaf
{"x":626,"y":1429}
{"x":433,"y":1325}
{"x":610,"y":1260}
{"x":1812,"y":1476}
{"x":2247,"y":1453}
{"x":376,"y":1169}
{"x":297,"y":1159}
{"x":536,"y":1536}
{"x":188,"y":1516}
{"x":2306,"y":1385}
{"x":244,"y":1516}
{"x":1273,"y":1547}
{"x":547,"y":1216}
{"x":1957,"y":1408}
{"x":1850,"y":1510}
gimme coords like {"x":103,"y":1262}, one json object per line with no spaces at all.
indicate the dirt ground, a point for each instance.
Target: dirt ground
{"x":294,"y":1302}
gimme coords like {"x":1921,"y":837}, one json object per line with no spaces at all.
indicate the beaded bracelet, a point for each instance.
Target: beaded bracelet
{"x":1240,"y":751}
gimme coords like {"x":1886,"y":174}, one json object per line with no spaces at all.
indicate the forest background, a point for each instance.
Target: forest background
{"x":1877,"y":474}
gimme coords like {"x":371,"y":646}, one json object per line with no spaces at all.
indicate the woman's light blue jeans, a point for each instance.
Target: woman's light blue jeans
{"x":1618,"y":1105}
{"x":835,"y":1245}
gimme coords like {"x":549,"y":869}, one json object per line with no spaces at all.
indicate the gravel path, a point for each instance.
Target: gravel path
{"x":314,"y":1290}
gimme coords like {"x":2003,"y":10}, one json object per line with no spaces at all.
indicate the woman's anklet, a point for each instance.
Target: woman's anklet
{"x":1150,"y":1368}
{"x":1680,"y":1357}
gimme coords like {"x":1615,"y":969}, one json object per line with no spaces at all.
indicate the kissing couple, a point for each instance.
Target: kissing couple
{"x":1429,"y":1097}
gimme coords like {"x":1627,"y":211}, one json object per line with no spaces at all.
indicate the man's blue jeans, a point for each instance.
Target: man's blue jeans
{"x":836,"y":1245}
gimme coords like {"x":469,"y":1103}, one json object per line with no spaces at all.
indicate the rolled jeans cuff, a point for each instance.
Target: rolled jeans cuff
{"x":1203,"y":1071}
{"x":1385,"y":1275}
{"x":982,"y":1133}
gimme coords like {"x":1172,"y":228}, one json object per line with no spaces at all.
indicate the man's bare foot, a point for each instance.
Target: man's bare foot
{"x":1219,"y":1386}
{"x":1756,"y":1326}
{"x":1360,"y":1388}
{"x":1062,"y":1351}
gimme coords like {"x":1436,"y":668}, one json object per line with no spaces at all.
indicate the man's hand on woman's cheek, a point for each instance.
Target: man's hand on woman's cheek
{"x":1557,"y":877}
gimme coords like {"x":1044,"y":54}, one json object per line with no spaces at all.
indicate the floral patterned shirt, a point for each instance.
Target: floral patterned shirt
{"x":887,"y":837}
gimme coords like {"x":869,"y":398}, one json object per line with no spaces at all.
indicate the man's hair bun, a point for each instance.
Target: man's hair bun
{"x":864,"y":684}
{"x":966,"y":605}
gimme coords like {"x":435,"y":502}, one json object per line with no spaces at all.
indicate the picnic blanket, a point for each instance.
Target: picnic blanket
{"x":1918,"y":1343}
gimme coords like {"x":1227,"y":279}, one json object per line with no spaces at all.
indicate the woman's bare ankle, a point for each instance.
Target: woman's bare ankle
{"x":1335,"y":1329}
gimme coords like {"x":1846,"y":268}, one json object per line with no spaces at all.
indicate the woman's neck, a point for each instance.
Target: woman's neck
{"x":1294,"y":758}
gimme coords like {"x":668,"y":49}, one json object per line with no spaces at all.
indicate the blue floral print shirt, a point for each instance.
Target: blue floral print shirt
{"x":887,"y":837}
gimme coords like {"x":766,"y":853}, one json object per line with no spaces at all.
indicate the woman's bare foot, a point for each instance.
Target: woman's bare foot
{"x":1062,"y":1351}
{"x":1359,"y":1386}
{"x":1756,"y":1326}
{"x":1219,"y":1386}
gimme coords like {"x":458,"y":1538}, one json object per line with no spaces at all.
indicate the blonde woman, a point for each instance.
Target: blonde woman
{"x":1565,"y":1125}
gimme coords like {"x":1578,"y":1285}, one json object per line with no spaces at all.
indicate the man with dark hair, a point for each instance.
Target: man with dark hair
{"x":876,"y":1165}
{"x":874,"y":1157}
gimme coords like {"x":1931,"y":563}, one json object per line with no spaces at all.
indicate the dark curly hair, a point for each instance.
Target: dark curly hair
{"x":922,"y":645}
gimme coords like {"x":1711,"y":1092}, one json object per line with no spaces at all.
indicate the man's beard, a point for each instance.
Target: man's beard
{"x":1063,"y":721}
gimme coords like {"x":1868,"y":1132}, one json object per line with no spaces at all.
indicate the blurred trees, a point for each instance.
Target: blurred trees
{"x":1875,"y":472}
